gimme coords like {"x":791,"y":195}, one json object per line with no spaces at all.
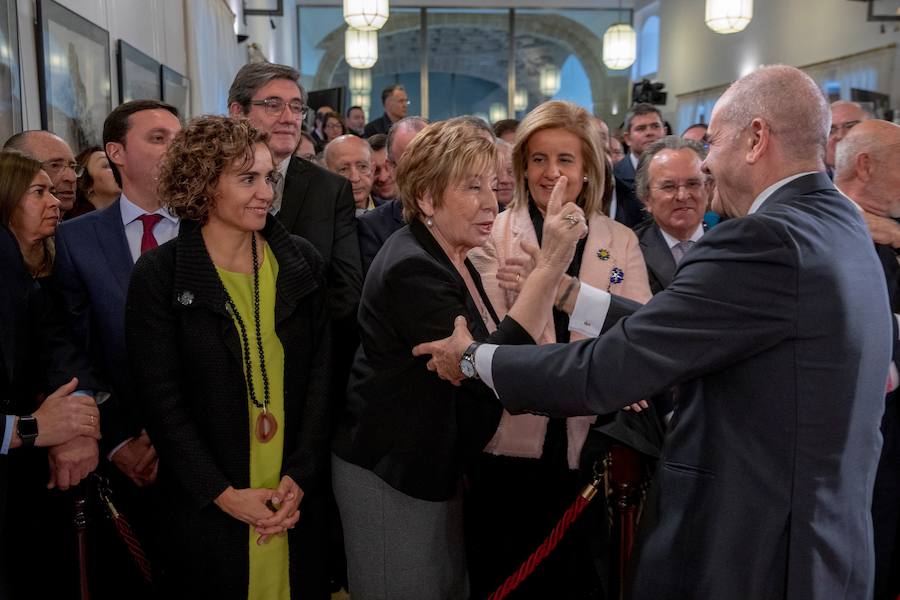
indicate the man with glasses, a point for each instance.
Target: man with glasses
{"x":671,"y":185}
{"x":396,"y":104}
{"x":318,"y":205}
{"x":351,"y":157}
{"x":643,"y":126}
{"x":844,"y":117}
{"x":59,"y":162}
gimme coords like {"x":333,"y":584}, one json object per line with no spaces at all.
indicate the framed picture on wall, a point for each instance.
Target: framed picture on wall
{"x":884,"y":10}
{"x":10,"y":82}
{"x":138,"y":75}
{"x":176,"y":90}
{"x":74,"y":68}
{"x":268,"y":8}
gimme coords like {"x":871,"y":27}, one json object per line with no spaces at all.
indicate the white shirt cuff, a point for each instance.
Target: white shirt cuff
{"x":116,"y":449}
{"x":897,"y":317}
{"x":484,"y":358}
{"x":7,"y":434}
{"x":590,"y":310}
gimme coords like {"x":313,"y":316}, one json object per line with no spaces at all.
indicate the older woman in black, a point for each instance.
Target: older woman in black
{"x":403,"y":440}
{"x":226,"y":332}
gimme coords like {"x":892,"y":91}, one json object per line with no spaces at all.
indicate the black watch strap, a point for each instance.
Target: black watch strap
{"x":27,"y":429}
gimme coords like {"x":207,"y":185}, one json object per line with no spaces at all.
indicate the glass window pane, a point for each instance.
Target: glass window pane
{"x":559,"y":55}
{"x":322,"y":64}
{"x":468,"y":52}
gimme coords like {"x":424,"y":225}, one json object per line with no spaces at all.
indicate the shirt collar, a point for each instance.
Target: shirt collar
{"x":672,"y":241}
{"x":766,"y":193}
{"x":634,"y":160}
{"x":131,"y":211}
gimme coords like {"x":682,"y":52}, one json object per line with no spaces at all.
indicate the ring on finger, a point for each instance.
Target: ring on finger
{"x":518,"y":276}
{"x":573,"y":219}
{"x":92,"y":420}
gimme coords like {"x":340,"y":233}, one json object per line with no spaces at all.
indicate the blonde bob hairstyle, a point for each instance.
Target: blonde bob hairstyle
{"x":198,"y":155}
{"x":557,"y":114}
{"x":441,"y":155}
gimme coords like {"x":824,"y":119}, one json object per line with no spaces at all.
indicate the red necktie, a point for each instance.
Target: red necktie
{"x":148,"y":242}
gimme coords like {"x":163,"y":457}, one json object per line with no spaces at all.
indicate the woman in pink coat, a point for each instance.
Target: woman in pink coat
{"x":528,"y":473}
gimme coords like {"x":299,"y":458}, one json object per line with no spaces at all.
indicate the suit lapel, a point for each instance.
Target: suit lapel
{"x":658,"y":256}
{"x":296,"y":185}
{"x":114,"y":245}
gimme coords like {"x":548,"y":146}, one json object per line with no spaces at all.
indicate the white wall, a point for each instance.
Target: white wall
{"x":155,"y":27}
{"x":794,"y":32}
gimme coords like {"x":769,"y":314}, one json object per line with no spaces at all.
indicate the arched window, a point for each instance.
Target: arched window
{"x":648,"y":48}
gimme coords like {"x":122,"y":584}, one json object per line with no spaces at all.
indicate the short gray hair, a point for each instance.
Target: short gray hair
{"x":670,"y":142}
{"x":789,"y":101}
{"x":417,"y":124}
{"x":253,"y":76}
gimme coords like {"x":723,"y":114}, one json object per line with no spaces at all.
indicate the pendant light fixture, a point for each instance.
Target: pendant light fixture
{"x":360,"y":81}
{"x":548,"y":80}
{"x":619,"y":44}
{"x":728,"y":16}
{"x":366,"y":15}
{"x":360,"y":48}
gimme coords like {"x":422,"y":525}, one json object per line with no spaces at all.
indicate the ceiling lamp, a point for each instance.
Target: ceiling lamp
{"x":728,"y":16}
{"x":364,"y":101}
{"x":366,"y":15}
{"x":360,"y":48}
{"x":548,"y":79}
{"x":619,"y":46}
{"x":520,"y":102}
{"x":497,"y":112}
{"x":360,"y":81}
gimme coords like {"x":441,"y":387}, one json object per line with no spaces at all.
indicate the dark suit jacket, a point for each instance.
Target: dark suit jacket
{"x":777,"y":328}
{"x":318,"y":205}
{"x":657,"y":255}
{"x":37,"y":355}
{"x":91,"y":273}
{"x":380,"y":125}
{"x":375,"y":227}
{"x":629,"y":210}
{"x":404,"y":423}
{"x":188,"y":368}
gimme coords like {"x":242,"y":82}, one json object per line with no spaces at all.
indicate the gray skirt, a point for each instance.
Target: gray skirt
{"x":398,"y":547}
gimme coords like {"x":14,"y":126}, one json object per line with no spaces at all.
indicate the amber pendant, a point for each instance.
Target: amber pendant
{"x":266,"y":426}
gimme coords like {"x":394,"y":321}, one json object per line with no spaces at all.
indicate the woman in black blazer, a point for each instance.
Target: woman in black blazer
{"x":215,"y":395}
{"x":405,"y":435}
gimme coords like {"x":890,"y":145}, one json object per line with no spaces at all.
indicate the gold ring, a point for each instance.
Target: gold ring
{"x":518,"y":275}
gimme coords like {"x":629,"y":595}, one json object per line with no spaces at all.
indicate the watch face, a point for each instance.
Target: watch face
{"x":466,"y":366}
{"x":27,"y":427}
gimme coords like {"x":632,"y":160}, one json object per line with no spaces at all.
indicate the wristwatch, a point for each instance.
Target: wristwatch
{"x":467,"y":362}
{"x":27,"y":428}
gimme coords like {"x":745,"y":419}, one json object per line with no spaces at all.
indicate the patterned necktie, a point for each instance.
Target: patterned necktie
{"x":680,"y":249}
{"x":148,"y":242}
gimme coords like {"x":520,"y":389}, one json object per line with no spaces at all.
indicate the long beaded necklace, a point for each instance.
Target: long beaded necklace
{"x":266,"y":425}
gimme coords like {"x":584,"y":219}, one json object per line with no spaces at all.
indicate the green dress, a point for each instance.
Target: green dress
{"x":269,"y":578}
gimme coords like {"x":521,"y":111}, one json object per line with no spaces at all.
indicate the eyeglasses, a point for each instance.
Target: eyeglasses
{"x":361,"y":168}
{"x":670,"y":188}
{"x":53,"y":167}
{"x":275,"y":106}
{"x":845,"y":127}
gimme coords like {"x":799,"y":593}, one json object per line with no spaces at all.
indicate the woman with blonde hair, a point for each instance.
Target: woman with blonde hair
{"x":406,"y":436}
{"x":557,"y":139}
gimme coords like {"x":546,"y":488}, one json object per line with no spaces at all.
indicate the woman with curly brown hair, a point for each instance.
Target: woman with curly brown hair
{"x":213,"y":318}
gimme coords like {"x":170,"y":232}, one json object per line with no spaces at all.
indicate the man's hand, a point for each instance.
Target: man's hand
{"x":446,"y":353}
{"x":287,"y":499}
{"x":72,"y":461}
{"x":62,"y":417}
{"x":137,"y":459}
{"x":884,"y":230}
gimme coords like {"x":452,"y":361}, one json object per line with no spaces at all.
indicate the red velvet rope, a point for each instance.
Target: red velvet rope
{"x":548,"y":545}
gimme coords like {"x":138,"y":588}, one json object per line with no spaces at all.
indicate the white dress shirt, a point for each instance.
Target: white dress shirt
{"x":165,"y":230}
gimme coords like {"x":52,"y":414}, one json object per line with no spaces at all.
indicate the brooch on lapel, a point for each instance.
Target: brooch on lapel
{"x":603,"y":254}
{"x":186,"y":298}
{"x":616,"y":275}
